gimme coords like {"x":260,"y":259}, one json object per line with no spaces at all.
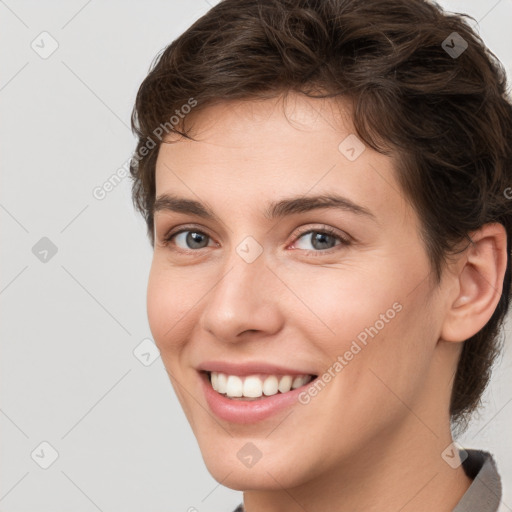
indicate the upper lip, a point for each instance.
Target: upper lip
{"x":249,"y":368}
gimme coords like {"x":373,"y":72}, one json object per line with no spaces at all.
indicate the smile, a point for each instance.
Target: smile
{"x":274,"y":393}
{"x":253,"y":387}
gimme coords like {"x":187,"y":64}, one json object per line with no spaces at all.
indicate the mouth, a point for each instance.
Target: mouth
{"x":258,"y":386}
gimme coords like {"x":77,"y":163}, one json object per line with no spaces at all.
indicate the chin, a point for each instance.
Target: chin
{"x":272,"y":471}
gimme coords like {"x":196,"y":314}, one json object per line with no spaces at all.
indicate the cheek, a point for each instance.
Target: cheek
{"x":169,"y":303}
{"x":372,"y":321}
{"x":159,"y":306}
{"x":388,"y":354}
{"x":343,"y":304}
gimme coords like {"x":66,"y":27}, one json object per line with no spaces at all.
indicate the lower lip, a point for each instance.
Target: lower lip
{"x":247,"y":411}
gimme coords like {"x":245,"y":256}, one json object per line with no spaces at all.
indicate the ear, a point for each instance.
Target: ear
{"x":478,"y":283}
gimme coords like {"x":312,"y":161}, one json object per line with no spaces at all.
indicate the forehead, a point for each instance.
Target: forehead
{"x":248,"y":151}
{"x":253,"y":125}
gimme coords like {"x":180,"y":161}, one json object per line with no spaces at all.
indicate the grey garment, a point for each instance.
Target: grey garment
{"x":483,"y":495}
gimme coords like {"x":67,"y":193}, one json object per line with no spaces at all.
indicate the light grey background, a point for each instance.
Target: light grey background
{"x":70,"y":325}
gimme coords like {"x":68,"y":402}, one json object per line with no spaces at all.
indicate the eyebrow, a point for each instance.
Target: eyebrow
{"x":274,"y":210}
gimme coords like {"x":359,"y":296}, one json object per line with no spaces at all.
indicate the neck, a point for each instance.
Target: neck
{"x":385,"y":476}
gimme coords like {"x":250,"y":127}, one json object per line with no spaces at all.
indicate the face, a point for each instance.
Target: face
{"x":336,"y":290}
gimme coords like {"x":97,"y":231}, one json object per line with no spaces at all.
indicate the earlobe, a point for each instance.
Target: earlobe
{"x":480,"y":273}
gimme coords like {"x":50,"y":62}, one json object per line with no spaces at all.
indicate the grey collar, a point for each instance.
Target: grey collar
{"x":484,"y":494}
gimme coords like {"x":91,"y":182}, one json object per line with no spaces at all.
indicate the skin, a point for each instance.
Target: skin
{"x":372,"y":438}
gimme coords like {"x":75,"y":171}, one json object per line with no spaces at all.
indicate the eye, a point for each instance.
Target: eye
{"x":190,"y":239}
{"x":320,"y":239}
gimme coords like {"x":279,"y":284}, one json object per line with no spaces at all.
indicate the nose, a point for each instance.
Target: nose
{"x":244,"y":299}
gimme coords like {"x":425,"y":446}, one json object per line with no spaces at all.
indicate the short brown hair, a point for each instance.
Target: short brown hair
{"x":446,"y":117}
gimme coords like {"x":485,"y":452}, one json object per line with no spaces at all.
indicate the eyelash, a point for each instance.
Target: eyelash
{"x":326,"y":230}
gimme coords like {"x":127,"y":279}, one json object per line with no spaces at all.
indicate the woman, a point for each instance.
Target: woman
{"x":324,"y":186}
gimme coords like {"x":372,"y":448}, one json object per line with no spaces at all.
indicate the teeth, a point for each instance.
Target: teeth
{"x":270,"y":385}
{"x":254,"y":386}
{"x":298,"y":382}
{"x":222,"y":382}
{"x":285,"y":384}
{"x":214,"y":380}
{"x":234,"y":386}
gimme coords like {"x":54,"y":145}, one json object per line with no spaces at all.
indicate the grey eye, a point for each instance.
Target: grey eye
{"x":318,"y":239}
{"x":192,"y":239}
